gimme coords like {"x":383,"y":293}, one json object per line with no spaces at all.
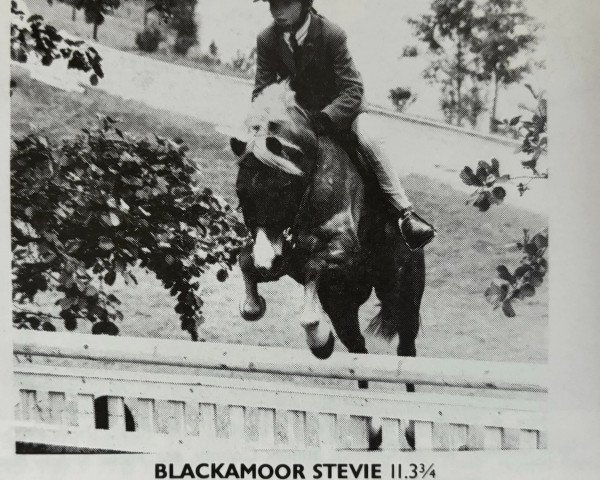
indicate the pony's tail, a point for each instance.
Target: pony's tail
{"x":384,"y":324}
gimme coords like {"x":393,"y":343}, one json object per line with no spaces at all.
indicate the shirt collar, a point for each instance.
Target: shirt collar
{"x":301,"y":33}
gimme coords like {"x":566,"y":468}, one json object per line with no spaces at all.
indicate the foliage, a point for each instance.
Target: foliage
{"x":96,"y":10}
{"x":401,"y":98}
{"x":410,"y":51}
{"x":504,"y":32}
{"x":94,"y":208}
{"x":183,"y":43}
{"x":185,"y":27}
{"x":525,"y":279}
{"x":475,"y":43}
{"x":213,"y":49}
{"x":530,"y":274}
{"x":244,"y":63}
{"x":487,"y":179}
{"x":447,"y":32}
{"x":164,"y":8}
{"x":149,"y":39}
{"x":33,"y":35}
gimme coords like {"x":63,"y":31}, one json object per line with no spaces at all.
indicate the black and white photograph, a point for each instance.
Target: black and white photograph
{"x":281,"y":239}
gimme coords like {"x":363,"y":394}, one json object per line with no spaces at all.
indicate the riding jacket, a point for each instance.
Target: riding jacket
{"x":325,"y":78}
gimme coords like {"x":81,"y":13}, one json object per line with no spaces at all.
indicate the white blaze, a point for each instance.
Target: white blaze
{"x":265,"y":250}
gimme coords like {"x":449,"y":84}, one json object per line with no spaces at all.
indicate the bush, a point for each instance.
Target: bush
{"x":183,"y":43}
{"x":410,"y":51}
{"x":149,"y":39}
{"x":401,"y":98}
{"x":99,"y":206}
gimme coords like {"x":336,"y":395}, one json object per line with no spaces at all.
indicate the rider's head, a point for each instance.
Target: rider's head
{"x":289,"y":14}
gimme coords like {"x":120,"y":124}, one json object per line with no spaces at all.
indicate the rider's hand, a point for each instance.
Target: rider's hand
{"x":321,"y":123}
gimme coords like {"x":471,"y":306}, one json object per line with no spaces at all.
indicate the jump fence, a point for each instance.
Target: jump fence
{"x":113,"y":393}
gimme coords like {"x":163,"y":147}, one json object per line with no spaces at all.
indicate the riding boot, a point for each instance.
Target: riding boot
{"x":415,"y":230}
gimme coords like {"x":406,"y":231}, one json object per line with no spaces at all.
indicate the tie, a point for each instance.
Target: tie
{"x":296,"y":50}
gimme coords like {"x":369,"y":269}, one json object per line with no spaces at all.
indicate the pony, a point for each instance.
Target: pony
{"x":314,"y":216}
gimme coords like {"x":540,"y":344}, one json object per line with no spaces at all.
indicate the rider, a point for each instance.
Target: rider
{"x":311,"y":51}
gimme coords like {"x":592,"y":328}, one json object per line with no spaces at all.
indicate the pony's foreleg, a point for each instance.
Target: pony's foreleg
{"x":252,"y":305}
{"x":313,"y":319}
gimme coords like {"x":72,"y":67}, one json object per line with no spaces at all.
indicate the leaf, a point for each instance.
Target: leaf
{"x":536,"y":279}
{"x":110,"y":277}
{"x":522,"y":270}
{"x":504,"y":274}
{"x":527,"y":290}
{"x":495,"y":294}
{"x":499,"y":193}
{"x":106,"y":244}
{"x":484,"y":201}
{"x":514,"y":121}
{"x":540,"y":241}
{"x":495,"y":170}
{"x":508,"y":309}
{"x":114,"y":219}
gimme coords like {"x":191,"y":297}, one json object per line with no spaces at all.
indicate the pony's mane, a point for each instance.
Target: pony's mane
{"x":276,"y":103}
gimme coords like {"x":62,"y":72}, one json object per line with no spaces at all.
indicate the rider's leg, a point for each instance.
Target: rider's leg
{"x":380,"y":162}
{"x":415,"y":230}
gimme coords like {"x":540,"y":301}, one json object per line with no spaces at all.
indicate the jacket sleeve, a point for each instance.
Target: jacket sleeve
{"x":266,"y":74}
{"x":348,"y":104}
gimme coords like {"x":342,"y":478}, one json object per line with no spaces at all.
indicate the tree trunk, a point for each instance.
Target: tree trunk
{"x":95,"y":32}
{"x":493,"y":123}
{"x":459,"y":84}
{"x":145,"y":13}
{"x":73,"y":14}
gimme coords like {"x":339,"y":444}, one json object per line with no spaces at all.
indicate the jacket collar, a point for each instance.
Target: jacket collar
{"x":315,"y":30}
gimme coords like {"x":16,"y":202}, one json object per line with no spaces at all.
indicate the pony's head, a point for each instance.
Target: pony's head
{"x":276,"y":156}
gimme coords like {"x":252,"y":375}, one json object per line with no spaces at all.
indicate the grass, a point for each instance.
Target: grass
{"x":119,"y":31}
{"x":457,"y":322}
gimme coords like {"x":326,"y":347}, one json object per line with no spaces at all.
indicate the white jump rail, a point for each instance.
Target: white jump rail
{"x":55,"y":405}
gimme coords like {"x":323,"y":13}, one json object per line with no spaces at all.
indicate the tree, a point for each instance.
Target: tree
{"x":447,"y":32}
{"x":96,"y":10}
{"x":96,"y":207}
{"x":33,"y":36}
{"x":504,"y":33}
{"x":523,"y":281}
{"x":163,"y":8}
{"x":185,"y":27}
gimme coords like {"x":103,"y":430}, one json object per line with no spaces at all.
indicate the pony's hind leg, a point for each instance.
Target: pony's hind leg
{"x":342,"y":309}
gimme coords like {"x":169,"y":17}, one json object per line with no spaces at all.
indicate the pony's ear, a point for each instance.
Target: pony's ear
{"x":277,"y":146}
{"x":238,"y":147}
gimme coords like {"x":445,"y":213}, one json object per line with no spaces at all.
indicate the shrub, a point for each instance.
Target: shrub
{"x":401,"y":98}
{"x":149,"y":39}
{"x":183,"y":43}
{"x":99,"y":206}
{"x":410,"y":51}
{"x":213,"y":49}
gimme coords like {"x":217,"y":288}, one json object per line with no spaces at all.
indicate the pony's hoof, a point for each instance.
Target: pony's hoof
{"x":409,"y":434}
{"x":324,"y":352}
{"x":375,"y":439}
{"x":253,"y":317}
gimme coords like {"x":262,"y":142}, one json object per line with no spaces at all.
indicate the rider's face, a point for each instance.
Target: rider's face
{"x":286,"y":12}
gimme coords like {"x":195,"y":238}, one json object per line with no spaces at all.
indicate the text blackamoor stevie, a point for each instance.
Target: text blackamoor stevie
{"x":268,"y":471}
